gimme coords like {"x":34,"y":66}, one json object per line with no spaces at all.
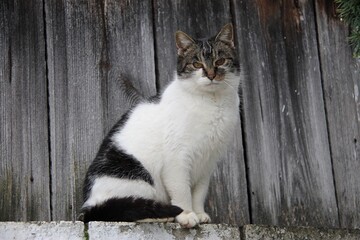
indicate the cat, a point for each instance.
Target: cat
{"x":156,"y":162}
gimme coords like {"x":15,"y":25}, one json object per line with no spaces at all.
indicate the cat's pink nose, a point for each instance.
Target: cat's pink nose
{"x":211,"y":74}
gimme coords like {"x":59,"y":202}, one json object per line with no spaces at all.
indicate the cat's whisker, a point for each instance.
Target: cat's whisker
{"x":229,"y":85}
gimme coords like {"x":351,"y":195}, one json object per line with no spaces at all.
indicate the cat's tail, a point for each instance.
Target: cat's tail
{"x":132,"y":95}
{"x":129,"y":209}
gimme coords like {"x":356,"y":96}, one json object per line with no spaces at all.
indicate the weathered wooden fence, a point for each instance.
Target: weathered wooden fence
{"x":295,"y":158}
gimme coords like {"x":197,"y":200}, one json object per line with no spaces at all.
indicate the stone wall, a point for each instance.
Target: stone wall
{"x":149,"y":231}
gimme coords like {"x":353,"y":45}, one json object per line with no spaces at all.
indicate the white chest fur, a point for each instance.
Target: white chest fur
{"x":184,"y":128}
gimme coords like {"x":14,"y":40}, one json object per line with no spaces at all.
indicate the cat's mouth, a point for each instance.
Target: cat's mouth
{"x":211,"y":83}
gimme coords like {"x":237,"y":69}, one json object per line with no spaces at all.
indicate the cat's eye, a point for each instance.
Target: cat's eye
{"x":197,"y":65}
{"x":220,"y":62}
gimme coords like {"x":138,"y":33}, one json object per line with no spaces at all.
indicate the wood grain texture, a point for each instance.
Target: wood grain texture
{"x":341,"y":81}
{"x":92,"y":47}
{"x":227,"y":200}
{"x":24,"y":164}
{"x":74,"y":42}
{"x":291,"y":51}
{"x":130,"y":55}
{"x":290,"y":171}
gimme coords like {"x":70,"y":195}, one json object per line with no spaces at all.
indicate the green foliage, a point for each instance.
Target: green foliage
{"x":349,"y":11}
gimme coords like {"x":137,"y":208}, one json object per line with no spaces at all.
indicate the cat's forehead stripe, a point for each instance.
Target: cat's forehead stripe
{"x":206,"y":48}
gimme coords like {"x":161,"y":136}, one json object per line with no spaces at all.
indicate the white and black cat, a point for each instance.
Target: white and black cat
{"x":156,"y":162}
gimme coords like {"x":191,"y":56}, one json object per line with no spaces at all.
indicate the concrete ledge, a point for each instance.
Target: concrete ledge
{"x":147,"y":231}
{"x":254,"y":232}
{"x":42,"y":230}
{"x":168,"y":231}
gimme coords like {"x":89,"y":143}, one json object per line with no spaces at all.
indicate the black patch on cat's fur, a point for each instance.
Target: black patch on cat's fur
{"x":129,"y":210}
{"x":114,"y":162}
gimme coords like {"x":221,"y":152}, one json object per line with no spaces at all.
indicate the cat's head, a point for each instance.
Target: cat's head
{"x":208,"y":64}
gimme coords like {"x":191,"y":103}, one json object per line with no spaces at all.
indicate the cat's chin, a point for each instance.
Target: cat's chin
{"x":212,"y":86}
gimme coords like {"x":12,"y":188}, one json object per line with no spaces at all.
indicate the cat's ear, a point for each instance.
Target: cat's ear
{"x":226,"y":35}
{"x":183,"y":42}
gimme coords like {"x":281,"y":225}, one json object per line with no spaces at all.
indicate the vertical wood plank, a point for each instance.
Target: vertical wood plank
{"x":341,"y":81}
{"x":74,"y":42}
{"x":61,"y":175}
{"x":130,"y":48}
{"x":24,"y":164}
{"x":90,"y":44}
{"x":227,"y":198}
{"x":288,"y":154}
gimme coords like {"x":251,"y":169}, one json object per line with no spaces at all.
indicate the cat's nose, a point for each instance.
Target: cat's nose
{"x":211,"y":77}
{"x":211,"y":74}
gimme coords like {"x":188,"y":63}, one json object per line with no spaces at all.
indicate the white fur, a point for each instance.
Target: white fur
{"x":179,"y":141}
{"x":105,"y":187}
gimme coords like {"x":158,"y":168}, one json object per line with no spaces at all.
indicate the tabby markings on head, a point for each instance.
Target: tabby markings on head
{"x":213,"y":56}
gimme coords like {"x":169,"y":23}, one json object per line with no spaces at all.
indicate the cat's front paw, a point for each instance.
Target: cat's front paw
{"x":203,"y":217}
{"x":187,"y":219}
